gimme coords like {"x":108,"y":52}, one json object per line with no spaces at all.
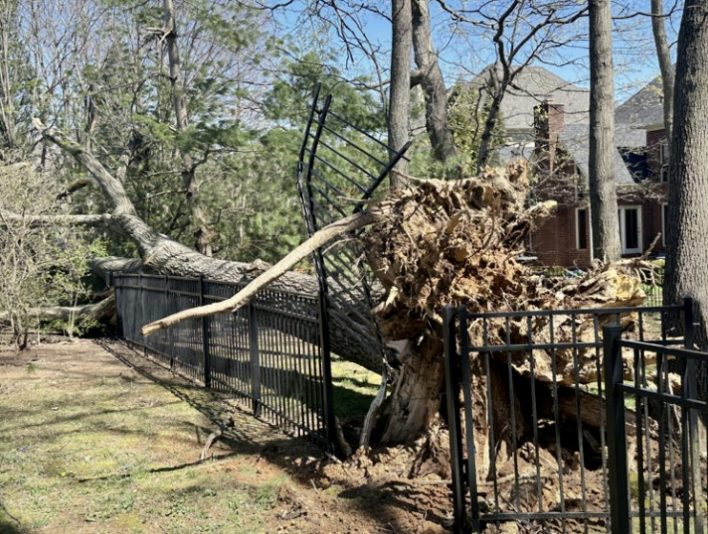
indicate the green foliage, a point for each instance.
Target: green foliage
{"x":289,"y":100}
{"x":41,"y":263}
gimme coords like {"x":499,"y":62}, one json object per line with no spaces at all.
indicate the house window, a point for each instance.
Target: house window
{"x":664,"y":218}
{"x":581,"y":228}
{"x":664,"y":161}
{"x":664,"y":153}
{"x":630,"y":219}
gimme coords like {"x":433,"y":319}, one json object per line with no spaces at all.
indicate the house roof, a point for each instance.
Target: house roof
{"x":532,"y":86}
{"x":576,"y":141}
{"x":645,"y":107}
{"x":629,"y":136}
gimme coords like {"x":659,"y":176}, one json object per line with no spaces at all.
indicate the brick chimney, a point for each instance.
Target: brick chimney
{"x":548,"y":122}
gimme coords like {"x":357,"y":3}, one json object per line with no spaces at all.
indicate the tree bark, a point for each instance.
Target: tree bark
{"x":161,"y":254}
{"x":663,"y":54}
{"x":179,"y":98}
{"x":687,"y":225}
{"x":497,"y":91}
{"x":69,"y":219}
{"x":432,"y":82}
{"x":603,"y":193}
{"x":399,"y":105}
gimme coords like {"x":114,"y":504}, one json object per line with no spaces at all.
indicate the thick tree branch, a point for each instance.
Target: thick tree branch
{"x":98,"y":311}
{"x":65,"y":220}
{"x":318,"y":240}
{"x":164,"y":255}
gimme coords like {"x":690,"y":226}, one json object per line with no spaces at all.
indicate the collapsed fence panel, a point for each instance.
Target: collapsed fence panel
{"x":527,"y":413}
{"x":268,"y":353}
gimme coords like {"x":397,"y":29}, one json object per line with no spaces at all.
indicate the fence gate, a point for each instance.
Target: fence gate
{"x":531,"y":440}
{"x":657,"y":470}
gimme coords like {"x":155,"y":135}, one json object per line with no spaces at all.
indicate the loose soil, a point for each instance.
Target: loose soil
{"x":95,"y":438}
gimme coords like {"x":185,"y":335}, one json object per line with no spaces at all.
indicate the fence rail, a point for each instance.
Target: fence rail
{"x":526,"y":409}
{"x":268,"y":353}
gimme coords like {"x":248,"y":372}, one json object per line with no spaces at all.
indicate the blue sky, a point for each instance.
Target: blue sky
{"x":462,"y":55}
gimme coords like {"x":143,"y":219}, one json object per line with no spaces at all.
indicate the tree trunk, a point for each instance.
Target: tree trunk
{"x":603,"y":193}
{"x":179,"y":98}
{"x":687,"y":225}
{"x":497,"y":92}
{"x":432,"y":82}
{"x":663,"y":54}
{"x":400,"y":90}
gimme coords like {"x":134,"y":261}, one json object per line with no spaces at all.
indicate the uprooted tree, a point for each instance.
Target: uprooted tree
{"x":450,"y":242}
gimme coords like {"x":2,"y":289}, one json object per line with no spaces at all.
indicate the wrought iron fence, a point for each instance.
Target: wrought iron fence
{"x":668,"y":491}
{"x":340,"y":167}
{"x":526,"y":410}
{"x":269,"y":353}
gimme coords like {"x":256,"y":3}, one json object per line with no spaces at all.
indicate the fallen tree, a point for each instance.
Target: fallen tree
{"x":161,"y":254}
{"x":452,"y":242}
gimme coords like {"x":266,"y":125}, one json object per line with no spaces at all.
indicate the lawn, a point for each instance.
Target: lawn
{"x":89,"y":444}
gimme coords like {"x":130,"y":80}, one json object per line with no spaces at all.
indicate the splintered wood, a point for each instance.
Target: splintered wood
{"x":458,"y":242}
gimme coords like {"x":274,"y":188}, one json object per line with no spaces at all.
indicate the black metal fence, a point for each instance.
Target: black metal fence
{"x":269,"y":353}
{"x":668,"y":491}
{"x":526,"y":409}
{"x":340,"y":167}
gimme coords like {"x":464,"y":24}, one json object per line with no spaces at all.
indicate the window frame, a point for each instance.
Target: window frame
{"x":664,"y":207}
{"x":577,"y":228}
{"x":623,"y":230}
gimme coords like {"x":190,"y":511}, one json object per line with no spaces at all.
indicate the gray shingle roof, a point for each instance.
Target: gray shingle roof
{"x":575,"y":139}
{"x":533,"y":85}
{"x":643,"y":108}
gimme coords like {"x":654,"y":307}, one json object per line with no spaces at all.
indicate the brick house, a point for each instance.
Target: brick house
{"x":560,"y":158}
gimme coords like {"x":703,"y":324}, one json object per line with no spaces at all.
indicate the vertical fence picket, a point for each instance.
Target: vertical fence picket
{"x":205,"y":335}
{"x":616,"y":435}
{"x":255,"y":359}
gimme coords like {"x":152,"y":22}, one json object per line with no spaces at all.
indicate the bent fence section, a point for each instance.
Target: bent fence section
{"x":529,"y":434}
{"x":268,"y":353}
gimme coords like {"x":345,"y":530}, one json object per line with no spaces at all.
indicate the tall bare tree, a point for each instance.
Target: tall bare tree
{"x":603,"y":190}
{"x":399,"y":91}
{"x":520,"y":32}
{"x":687,"y":225}
{"x":189,"y":178}
{"x":431,"y":80}
{"x":663,"y":54}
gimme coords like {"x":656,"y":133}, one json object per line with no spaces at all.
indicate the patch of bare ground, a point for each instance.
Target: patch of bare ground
{"x":96,"y":438}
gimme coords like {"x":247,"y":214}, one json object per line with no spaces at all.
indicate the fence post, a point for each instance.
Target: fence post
{"x":115,"y":280}
{"x":326,"y":355}
{"x":170,"y":331}
{"x":452,"y":391}
{"x":205,"y":336}
{"x":616,"y":431}
{"x":255,"y":359}
{"x":143,"y":316}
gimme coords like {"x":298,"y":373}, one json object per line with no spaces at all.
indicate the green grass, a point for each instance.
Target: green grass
{"x":104,"y":450}
{"x":354,"y":389}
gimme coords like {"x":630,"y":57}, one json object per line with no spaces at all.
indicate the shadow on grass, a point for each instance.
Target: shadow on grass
{"x":9,"y":524}
{"x":163,"y":469}
{"x":381,"y":502}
